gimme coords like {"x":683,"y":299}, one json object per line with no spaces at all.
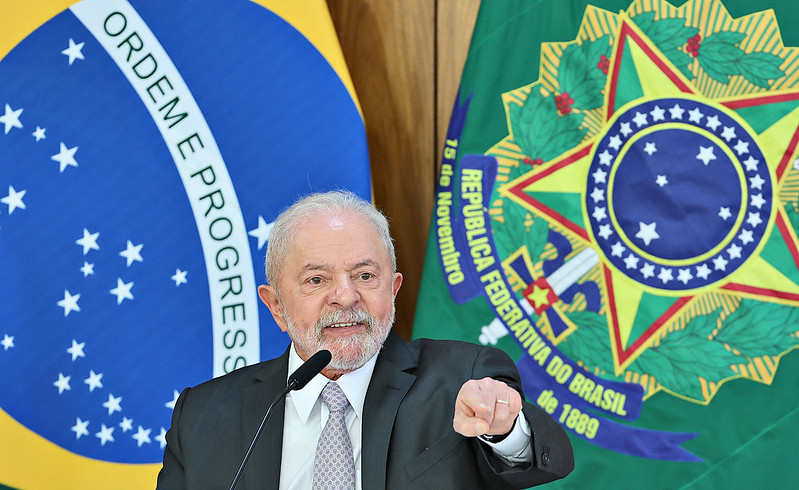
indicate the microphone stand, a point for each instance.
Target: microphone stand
{"x":298,"y":379}
{"x":293,"y":384}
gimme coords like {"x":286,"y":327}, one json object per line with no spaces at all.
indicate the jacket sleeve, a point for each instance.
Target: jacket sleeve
{"x":552,"y":452}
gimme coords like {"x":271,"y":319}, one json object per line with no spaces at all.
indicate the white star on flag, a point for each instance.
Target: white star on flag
{"x":720,"y":263}
{"x":132,"y":253}
{"x":39,"y":133}
{"x":171,"y":404}
{"x":617,"y":250}
{"x":69,"y":303}
{"x":625,"y":129}
{"x":684,"y":275}
{"x":262,"y":231}
{"x":605,"y":231}
{"x":14,"y":199}
{"x":746,"y":236}
{"x":600,"y":176}
{"x":73,"y":51}
{"x":105,"y":435}
{"x":757,"y":181}
{"x":705,"y":154}
{"x":179,"y":277}
{"x":631,"y":262}
{"x":113,"y":404}
{"x":598,"y":194}
{"x":142,"y":436}
{"x":605,"y":158}
{"x":703,"y":271}
{"x":728,"y":133}
{"x":661,"y":180}
{"x":658,"y":114}
{"x":8,"y":342}
{"x":754,"y":219}
{"x":713,"y":122}
{"x":648,"y":270}
{"x":89,"y":241}
{"x":65,"y":157}
{"x":741,"y":147}
{"x":62,"y":383}
{"x":640,"y":119}
{"x":650,"y":148}
{"x":599,"y":214}
{"x":695,"y":115}
{"x":11,"y":118}
{"x":76,"y":350}
{"x":665,"y":275}
{"x":126,"y":424}
{"x":94,"y":380}
{"x":646,"y":232}
{"x":614,"y":142}
{"x":80,"y":428}
{"x":734,"y":251}
{"x":676,"y":111}
{"x":122,"y":291}
{"x":87,"y":269}
{"x":751,"y":163}
{"x":724,"y":213}
{"x":757,"y":201}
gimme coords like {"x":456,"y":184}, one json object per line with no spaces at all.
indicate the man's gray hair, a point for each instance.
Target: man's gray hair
{"x":331,"y":203}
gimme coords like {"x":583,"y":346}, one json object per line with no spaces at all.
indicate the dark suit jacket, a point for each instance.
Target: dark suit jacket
{"x":408,"y":439}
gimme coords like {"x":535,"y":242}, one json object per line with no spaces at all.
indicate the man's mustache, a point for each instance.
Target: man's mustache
{"x":345,"y":316}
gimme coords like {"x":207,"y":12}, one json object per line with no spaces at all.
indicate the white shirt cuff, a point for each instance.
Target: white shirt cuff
{"x":517,"y":446}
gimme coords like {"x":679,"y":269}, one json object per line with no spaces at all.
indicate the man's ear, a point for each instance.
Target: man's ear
{"x":397,"y":282}
{"x":269,"y":296}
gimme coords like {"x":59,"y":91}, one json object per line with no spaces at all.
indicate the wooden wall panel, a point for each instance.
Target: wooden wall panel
{"x":401,"y":55}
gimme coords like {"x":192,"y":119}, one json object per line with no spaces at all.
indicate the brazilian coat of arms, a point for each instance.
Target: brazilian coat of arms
{"x":641,"y":213}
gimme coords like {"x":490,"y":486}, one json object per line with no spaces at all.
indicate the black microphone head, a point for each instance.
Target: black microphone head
{"x":309,"y":369}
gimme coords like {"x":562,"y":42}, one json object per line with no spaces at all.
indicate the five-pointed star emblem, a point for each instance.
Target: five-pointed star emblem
{"x":11,"y":118}
{"x":73,"y":51}
{"x":65,"y":157}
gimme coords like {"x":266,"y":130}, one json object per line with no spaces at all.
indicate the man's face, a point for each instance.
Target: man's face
{"x":337,"y":290}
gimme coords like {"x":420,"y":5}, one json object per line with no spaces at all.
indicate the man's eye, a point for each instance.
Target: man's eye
{"x":365,"y":276}
{"x":315,"y":280}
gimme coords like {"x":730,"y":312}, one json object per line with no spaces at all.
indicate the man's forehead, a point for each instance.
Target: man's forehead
{"x":346,"y":223}
{"x":337,"y":241}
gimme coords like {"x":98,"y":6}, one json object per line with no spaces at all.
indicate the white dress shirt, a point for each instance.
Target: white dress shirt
{"x":306,"y":415}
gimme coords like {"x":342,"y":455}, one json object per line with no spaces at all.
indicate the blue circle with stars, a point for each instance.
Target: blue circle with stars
{"x":679,"y":194}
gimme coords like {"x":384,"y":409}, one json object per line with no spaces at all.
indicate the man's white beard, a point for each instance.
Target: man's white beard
{"x":349,"y":353}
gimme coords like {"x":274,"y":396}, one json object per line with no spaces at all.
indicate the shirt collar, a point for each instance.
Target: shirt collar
{"x":354,"y":384}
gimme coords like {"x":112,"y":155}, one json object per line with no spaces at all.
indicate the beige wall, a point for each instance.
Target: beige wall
{"x":405,"y":58}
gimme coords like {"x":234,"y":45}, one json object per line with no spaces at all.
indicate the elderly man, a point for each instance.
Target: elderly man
{"x":424,"y":414}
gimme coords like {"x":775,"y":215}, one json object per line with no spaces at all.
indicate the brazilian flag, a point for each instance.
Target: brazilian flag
{"x":146,"y":148}
{"x":617,"y":208}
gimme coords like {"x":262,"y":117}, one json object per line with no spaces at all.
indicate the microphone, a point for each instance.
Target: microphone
{"x":297,"y":381}
{"x":308,"y":370}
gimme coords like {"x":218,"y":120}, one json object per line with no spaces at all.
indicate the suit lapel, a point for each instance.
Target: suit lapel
{"x":263,"y":469}
{"x":390,"y":382}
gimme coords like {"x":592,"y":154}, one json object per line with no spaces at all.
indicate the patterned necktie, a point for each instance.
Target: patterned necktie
{"x":334,"y":465}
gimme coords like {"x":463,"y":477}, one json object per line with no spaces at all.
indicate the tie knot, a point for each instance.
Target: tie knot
{"x":333,"y":396}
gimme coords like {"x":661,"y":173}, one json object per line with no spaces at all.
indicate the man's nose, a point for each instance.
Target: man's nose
{"x":344,"y":294}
